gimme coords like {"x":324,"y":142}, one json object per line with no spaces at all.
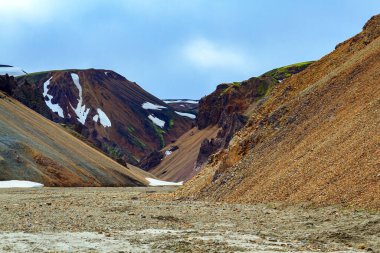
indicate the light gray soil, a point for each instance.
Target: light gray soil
{"x":125,"y":220}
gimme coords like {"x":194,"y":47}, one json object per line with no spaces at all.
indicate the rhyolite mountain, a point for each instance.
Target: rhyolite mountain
{"x":36,"y":149}
{"x":313,"y":139}
{"x":113,"y":113}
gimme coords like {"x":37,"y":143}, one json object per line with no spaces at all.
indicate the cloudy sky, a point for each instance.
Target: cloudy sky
{"x":176,"y":48}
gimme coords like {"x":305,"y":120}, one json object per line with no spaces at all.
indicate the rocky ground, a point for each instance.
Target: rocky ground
{"x":131,"y":220}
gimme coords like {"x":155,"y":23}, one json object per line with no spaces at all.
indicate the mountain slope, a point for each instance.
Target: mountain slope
{"x":316,"y":138}
{"x":221,"y":114}
{"x":115,"y":114}
{"x":36,"y":149}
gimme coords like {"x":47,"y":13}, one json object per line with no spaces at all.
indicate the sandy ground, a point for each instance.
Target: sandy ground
{"x":125,"y":220}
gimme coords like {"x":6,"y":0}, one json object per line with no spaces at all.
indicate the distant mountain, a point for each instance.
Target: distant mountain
{"x":11,"y":71}
{"x":36,"y":149}
{"x":115,"y":114}
{"x":188,"y":106}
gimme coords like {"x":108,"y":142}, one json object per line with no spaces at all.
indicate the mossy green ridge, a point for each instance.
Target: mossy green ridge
{"x":287,"y":71}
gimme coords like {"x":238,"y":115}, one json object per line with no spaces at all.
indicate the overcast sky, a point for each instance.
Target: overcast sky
{"x":176,"y":49}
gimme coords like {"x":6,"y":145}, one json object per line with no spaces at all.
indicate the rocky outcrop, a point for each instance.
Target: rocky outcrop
{"x":225,"y":107}
{"x":151,"y":160}
{"x":7,"y":84}
{"x":231,"y":98}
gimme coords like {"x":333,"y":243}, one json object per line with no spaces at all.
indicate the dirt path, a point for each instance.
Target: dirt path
{"x":124,"y":220}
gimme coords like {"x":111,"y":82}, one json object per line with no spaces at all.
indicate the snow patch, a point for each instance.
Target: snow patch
{"x":95,"y":118}
{"x":19,"y":184}
{"x":104,"y":120}
{"x":156,"y":182}
{"x":157,"y":121}
{"x":189,"y":115}
{"x":168,"y":152}
{"x":106,"y":73}
{"x":80,"y":110}
{"x":181,"y":101}
{"x":54,"y":107}
{"x":150,"y":106}
{"x":12,"y":71}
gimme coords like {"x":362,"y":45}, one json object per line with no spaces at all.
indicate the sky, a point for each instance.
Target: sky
{"x":176,"y":48}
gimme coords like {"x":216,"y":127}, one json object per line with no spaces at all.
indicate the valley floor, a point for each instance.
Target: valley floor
{"x":129,"y":220}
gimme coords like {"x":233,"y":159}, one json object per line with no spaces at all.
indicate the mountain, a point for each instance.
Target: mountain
{"x":113,"y":113}
{"x":220,"y":115}
{"x":188,"y":106}
{"x":11,"y":71}
{"x":314,"y":139}
{"x":36,"y":149}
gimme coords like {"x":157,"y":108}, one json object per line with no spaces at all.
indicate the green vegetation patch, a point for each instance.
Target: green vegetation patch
{"x":230,"y":88}
{"x":160,"y":134}
{"x":287,"y":71}
{"x":127,"y":134}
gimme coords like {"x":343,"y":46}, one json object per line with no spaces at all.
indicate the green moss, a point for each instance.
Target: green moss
{"x":230,"y":88}
{"x":131,"y":129}
{"x":160,"y":134}
{"x":127,"y":134}
{"x":171,"y":123}
{"x":287,"y":71}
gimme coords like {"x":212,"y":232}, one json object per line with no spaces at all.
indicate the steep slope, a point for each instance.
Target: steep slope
{"x":36,"y":149}
{"x":316,"y":138}
{"x":178,"y":160}
{"x":220,"y":115}
{"x":115,"y":114}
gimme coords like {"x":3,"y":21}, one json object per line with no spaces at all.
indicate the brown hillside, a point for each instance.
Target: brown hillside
{"x":128,"y":132}
{"x":36,"y":149}
{"x":315,"y":139}
{"x":180,"y":165}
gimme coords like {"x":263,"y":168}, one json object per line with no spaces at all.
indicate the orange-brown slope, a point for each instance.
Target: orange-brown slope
{"x":315,"y":139}
{"x":36,"y":149}
{"x":180,"y":164}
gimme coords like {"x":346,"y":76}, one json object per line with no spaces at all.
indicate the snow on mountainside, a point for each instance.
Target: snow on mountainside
{"x":113,"y":113}
{"x":11,"y":71}
{"x":188,"y":106}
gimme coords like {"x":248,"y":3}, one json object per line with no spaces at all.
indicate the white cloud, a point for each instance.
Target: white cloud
{"x":206,"y":54}
{"x":26,"y":11}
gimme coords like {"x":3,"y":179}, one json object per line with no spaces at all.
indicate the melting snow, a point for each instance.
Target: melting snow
{"x":168,"y":152}
{"x":150,"y":106}
{"x":106,"y":73}
{"x":181,"y":101}
{"x":104,"y":120}
{"x":157,"y":121}
{"x":156,"y":182}
{"x":95,"y":118}
{"x":19,"y":184}
{"x":80,"y":110}
{"x":189,"y":115}
{"x":54,"y":107}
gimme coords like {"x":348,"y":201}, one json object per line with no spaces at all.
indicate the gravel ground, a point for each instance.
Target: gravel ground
{"x":131,"y":220}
